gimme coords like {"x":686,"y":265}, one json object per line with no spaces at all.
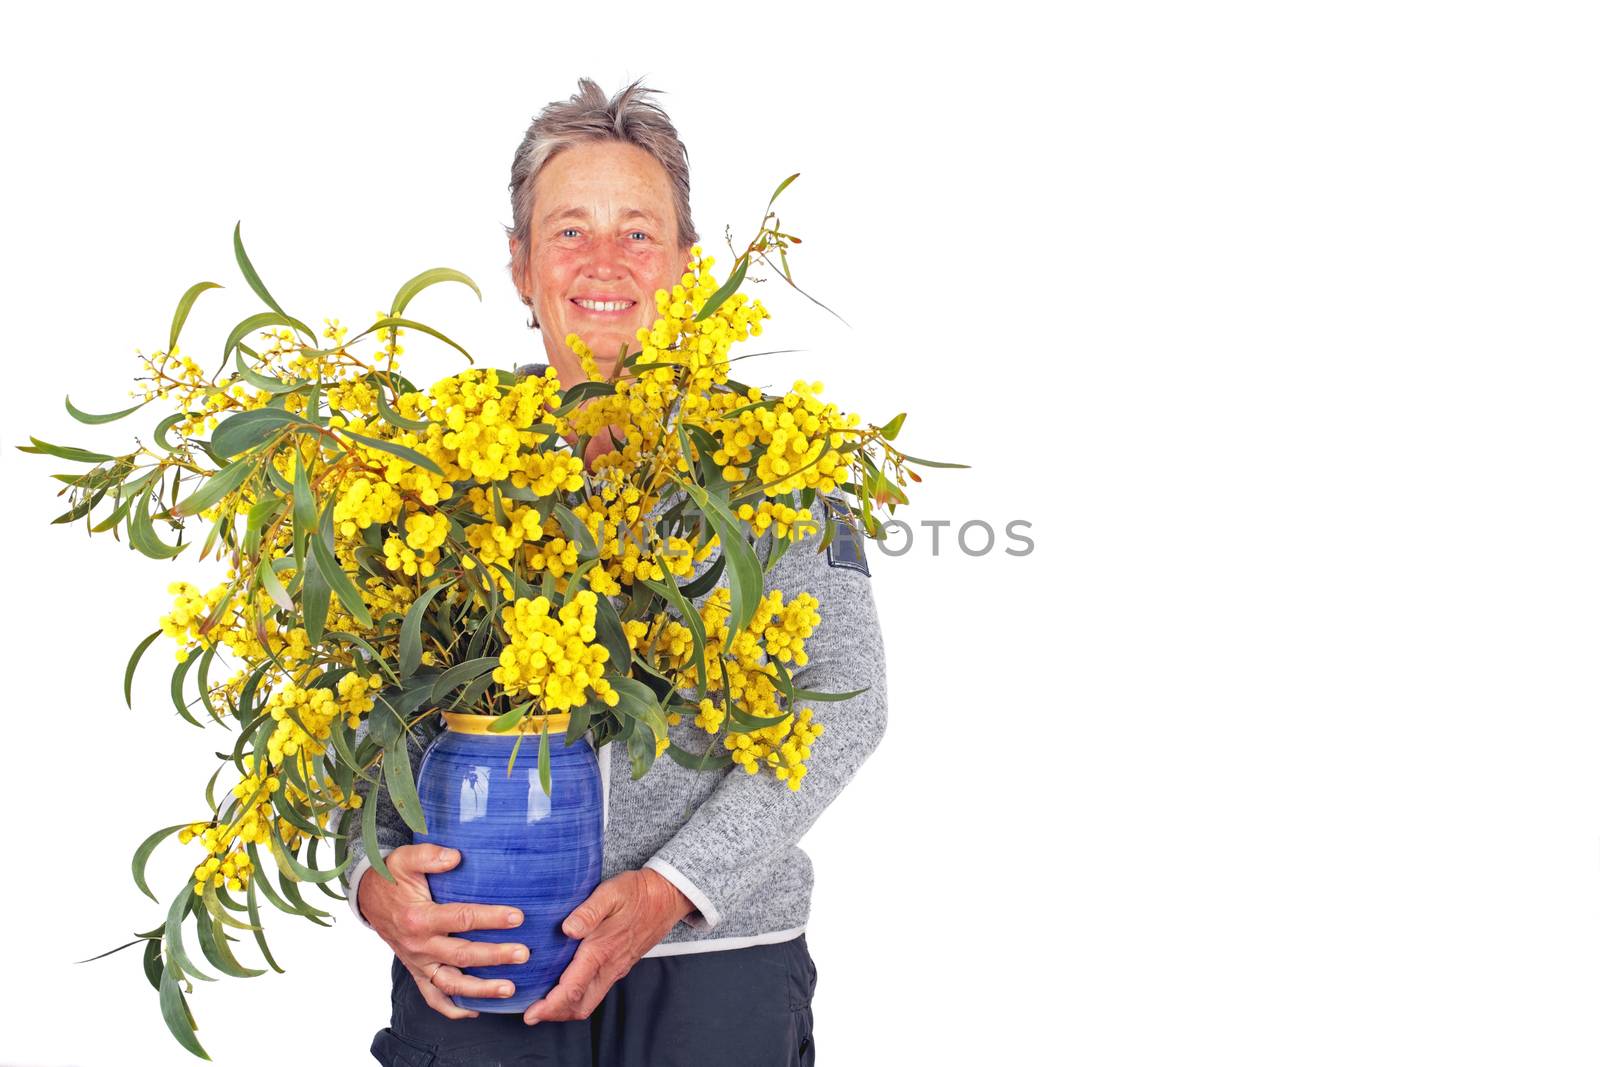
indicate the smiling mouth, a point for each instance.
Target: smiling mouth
{"x":604,"y":307}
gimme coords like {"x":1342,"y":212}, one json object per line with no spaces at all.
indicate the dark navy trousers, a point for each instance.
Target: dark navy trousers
{"x":743,"y":1007}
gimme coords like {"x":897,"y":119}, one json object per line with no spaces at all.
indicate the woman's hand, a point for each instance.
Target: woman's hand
{"x":626,"y":916}
{"x":417,"y":929}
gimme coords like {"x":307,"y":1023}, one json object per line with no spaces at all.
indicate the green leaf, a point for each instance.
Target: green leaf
{"x":83,"y":416}
{"x":256,"y":284}
{"x":410,"y":455}
{"x":77,"y":455}
{"x":391,"y":321}
{"x":712,"y":760}
{"x":141,"y":531}
{"x":544,"y":756}
{"x":179,"y":673}
{"x":315,"y":592}
{"x":893,"y":427}
{"x":369,"y":840}
{"x":181,"y":315}
{"x":429,"y":277}
{"x":507,"y":722}
{"x":584,"y":391}
{"x":461,"y":674}
{"x":274,"y":587}
{"x":324,"y":559}
{"x":265,"y":382}
{"x":933,"y":463}
{"x":214,"y":944}
{"x":638,"y":701}
{"x":141,"y":856}
{"x":744,"y":570}
{"x":179,"y":960}
{"x":690,"y":619}
{"x":575,"y":530}
{"x":393,"y":417}
{"x":175,"y":1012}
{"x":781,"y":187}
{"x":297,"y":870}
{"x":133,"y":663}
{"x":255,"y":922}
{"x":246,"y":429}
{"x":411,"y":629}
{"x":641,"y":753}
{"x":402,"y":787}
{"x":216,"y":486}
{"x":729,"y":287}
{"x":511,"y":760}
{"x":152,"y":961}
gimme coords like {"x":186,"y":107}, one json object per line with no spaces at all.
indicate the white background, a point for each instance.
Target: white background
{"x":1277,"y":322}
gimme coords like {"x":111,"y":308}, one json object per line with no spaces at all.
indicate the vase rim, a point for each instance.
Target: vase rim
{"x":463,"y":722}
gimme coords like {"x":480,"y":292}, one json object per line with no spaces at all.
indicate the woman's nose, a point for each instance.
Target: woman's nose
{"x":606,"y":261}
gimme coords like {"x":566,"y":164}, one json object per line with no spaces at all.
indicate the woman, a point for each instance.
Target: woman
{"x":693,"y":946}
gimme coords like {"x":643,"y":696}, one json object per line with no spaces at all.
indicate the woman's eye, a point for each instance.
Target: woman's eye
{"x":568,"y":230}
{"x":640,"y":233}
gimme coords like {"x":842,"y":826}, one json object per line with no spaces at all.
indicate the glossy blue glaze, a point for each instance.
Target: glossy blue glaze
{"x":518,"y":847}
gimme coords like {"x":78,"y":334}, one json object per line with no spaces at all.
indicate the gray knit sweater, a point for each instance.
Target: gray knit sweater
{"x":728,"y":839}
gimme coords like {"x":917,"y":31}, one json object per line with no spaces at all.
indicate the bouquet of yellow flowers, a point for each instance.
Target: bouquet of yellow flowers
{"x":394,"y":551}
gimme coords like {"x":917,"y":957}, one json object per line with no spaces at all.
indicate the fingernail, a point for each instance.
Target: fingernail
{"x":514,"y":919}
{"x":520,"y":955}
{"x":506,"y":991}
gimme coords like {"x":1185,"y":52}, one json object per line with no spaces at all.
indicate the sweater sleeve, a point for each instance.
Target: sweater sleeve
{"x":721,"y":849}
{"x":391,"y":828}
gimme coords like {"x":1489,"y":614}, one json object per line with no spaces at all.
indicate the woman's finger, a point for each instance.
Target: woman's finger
{"x":463,"y":952}
{"x":452,"y":981}
{"x":436,"y":998}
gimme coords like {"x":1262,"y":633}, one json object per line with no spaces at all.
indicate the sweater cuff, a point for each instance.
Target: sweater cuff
{"x":362,"y":866}
{"x":707,"y":916}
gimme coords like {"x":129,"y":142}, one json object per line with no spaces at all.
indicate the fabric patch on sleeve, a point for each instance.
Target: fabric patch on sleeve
{"x":848,"y":549}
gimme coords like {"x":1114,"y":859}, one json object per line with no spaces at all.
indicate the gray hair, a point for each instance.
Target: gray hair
{"x":588,"y":116}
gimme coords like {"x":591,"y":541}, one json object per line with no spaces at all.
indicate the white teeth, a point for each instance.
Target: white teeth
{"x":606,"y":305}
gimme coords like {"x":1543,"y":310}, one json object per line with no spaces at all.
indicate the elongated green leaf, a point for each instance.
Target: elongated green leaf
{"x":294,"y":869}
{"x":214,"y":944}
{"x":892,"y":428}
{"x":461,"y":674}
{"x":402,"y":787}
{"x":641,"y":753}
{"x":246,"y":429}
{"x":265,"y":382}
{"x":781,"y":187}
{"x":691,"y":621}
{"x":712,"y":760}
{"x":369,"y":841}
{"x":152,"y":961}
{"x":544,"y":756}
{"x":391,"y":321}
{"x":429,"y":277}
{"x":934,"y":463}
{"x":250,"y":275}
{"x":393,"y":417}
{"x":179,"y":673}
{"x":181,"y":314}
{"x":576,"y":531}
{"x":141,"y":856}
{"x":315,"y":592}
{"x":179,"y":959}
{"x":175,"y":1013}
{"x":410,"y":455}
{"x":84,"y":416}
{"x":637,"y":701}
{"x":133,"y":663}
{"x":744,"y":569}
{"x":274,"y":587}
{"x":255,"y":923}
{"x":77,"y":455}
{"x":216,"y":487}
{"x":728,"y":288}
{"x":141,"y":531}
{"x":411,"y":629}
{"x":507,"y":722}
{"x":324,"y":559}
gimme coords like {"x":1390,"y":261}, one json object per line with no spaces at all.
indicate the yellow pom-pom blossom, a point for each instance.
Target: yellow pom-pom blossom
{"x":554,"y":658}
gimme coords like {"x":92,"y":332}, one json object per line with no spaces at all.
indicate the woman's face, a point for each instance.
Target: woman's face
{"x":602,"y":240}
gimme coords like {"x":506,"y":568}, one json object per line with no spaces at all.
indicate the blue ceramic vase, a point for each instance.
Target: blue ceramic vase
{"x":518,"y":847}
